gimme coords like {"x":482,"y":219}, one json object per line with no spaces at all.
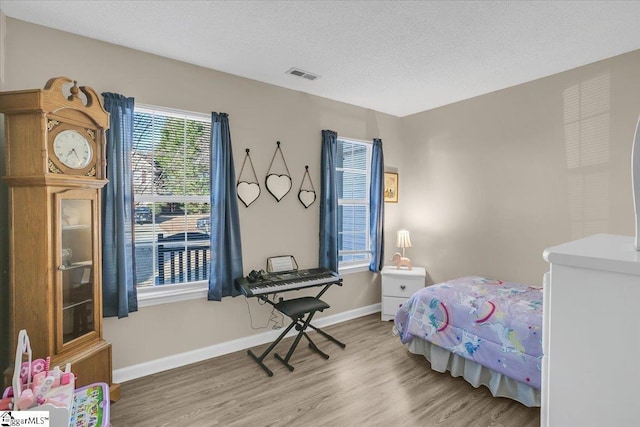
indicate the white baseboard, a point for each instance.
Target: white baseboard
{"x":177,"y":360}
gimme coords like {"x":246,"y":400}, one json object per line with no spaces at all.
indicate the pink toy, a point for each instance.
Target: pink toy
{"x":8,"y":392}
{"x":25,"y":370}
{"x":37,"y":387}
{"x":66,"y":378}
{"x":33,"y":368}
{"x":401,"y":261}
{"x":5,"y":404}
{"x":38,"y":379}
{"x":26,"y":399}
{"x":37,"y":366}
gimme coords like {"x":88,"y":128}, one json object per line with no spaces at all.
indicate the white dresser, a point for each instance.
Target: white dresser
{"x":397,"y":286}
{"x":591,"y":335}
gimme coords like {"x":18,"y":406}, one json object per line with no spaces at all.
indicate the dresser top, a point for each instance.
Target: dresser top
{"x":598,"y":252}
{"x":391,"y":270}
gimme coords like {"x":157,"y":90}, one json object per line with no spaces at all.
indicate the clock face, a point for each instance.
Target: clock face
{"x":72,"y":149}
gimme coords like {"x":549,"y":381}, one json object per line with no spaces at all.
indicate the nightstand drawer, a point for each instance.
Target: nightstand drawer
{"x":401,"y":286}
{"x":397,"y":286}
{"x":390,"y":306}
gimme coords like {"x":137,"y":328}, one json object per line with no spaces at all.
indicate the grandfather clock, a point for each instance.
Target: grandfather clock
{"x":55,"y":151}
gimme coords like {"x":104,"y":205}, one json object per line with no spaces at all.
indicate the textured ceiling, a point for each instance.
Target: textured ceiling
{"x":397,"y":57}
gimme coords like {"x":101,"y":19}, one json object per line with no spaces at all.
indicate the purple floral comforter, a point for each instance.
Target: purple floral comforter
{"x":494,"y":323}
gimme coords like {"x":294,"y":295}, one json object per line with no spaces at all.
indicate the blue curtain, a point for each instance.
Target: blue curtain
{"x":329,"y":202}
{"x":376,"y":207}
{"x":119,"y":296}
{"x":226,"y":247}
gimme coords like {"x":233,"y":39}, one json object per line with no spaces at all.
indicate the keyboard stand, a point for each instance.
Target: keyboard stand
{"x":301,"y":312}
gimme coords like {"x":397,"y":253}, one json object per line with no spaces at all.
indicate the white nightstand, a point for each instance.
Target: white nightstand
{"x":397,"y":286}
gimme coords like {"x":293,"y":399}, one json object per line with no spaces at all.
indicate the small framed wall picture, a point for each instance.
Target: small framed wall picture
{"x":391,"y":187}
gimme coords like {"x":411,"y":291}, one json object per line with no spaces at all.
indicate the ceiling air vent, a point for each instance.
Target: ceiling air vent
{"x":300,"y":73}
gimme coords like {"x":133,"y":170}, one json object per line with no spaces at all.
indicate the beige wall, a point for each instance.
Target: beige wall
{"x":485,"y":184}
{"x":490,"y":182}
{"x":259,"y":115}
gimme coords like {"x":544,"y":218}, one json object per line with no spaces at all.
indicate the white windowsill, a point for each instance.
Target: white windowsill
{"x":353,"y":268}
{"x":155,"y":295}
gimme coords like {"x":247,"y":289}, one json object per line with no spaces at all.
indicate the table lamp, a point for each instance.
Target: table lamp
{"x":403,"y":241}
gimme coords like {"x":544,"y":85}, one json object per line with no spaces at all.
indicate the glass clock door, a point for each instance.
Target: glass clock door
{"x":76,"y":267}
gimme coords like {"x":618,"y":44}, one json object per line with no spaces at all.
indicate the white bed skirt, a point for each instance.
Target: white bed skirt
{"x":475,"y":374}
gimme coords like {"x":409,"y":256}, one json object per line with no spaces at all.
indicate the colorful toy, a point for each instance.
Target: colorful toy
{"x":91,"y":406}
{"x":35,"y":389}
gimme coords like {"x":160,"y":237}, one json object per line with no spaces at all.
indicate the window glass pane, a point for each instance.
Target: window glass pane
{"x":198,"y":137}
{"x":352,"y":155}
{"x":198,"y":217}
{"x":353,"y":257}
{"x":145,"y":172}
{"x":352,"y":185}
{"x":342,"y":147}
{"x":170,"y":162}
{"x":173,"y":220}
{"x":353,"y":201}
{"x":358,"y":157}
{"x":144,"y":241}
{"x":353,"y":228}
{"x":352,"y":218}
{"x":170,"y":158}
{"x":352,"y":241}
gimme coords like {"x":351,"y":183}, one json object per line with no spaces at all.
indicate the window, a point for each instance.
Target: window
{"x":170,"y":162}
{"x":353,"y":169}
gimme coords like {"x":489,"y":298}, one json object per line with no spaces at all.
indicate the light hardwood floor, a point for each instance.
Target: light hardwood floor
{"x":374,"y":381}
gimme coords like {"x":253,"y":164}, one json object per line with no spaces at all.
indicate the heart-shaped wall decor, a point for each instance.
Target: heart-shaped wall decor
{"x":278,"y":185}
{"x":306,"y":197}
{"x":248,"y":192}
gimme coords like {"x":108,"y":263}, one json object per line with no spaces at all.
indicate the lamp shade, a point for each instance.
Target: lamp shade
{"x":403,"y":240}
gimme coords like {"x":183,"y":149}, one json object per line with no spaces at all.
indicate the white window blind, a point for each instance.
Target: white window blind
{"x":353,"y":169}
{"x":170,"y":161}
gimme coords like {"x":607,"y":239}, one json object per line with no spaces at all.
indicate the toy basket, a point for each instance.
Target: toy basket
{"x":48,"y":394}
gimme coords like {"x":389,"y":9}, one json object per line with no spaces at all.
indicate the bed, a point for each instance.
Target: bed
{"x":487,"y":331}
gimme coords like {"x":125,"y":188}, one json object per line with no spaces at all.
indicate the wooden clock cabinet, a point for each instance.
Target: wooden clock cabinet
{"x":55,"y":163}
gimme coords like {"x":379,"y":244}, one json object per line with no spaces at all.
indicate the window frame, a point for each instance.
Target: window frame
{"x":168,"y":293}
{"x":347,"y":267}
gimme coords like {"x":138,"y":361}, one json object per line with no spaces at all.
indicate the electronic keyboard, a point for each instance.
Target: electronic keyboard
{"x":290,"y":281}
